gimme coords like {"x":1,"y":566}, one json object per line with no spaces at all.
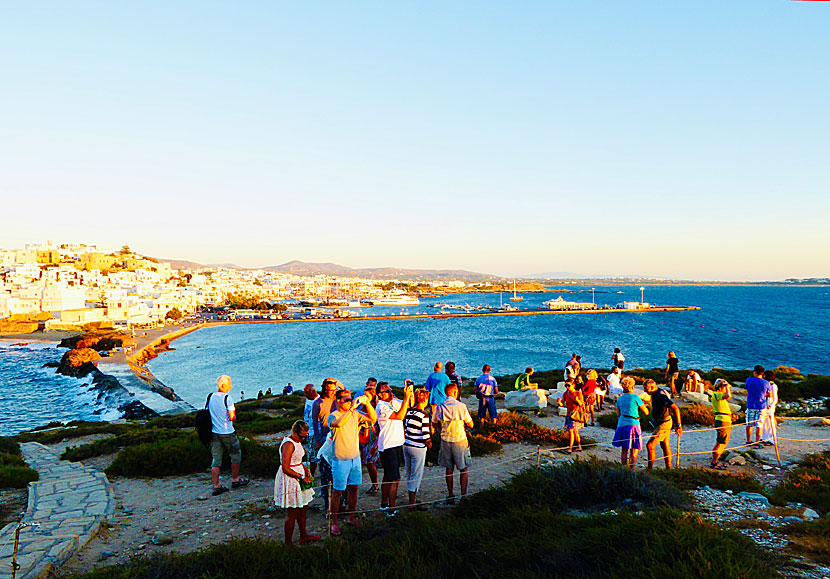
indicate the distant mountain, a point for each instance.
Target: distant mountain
{"x":303,"y":268}
{"x":179,"y":263}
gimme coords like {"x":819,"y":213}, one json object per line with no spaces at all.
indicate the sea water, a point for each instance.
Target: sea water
{"x":737,"y":327}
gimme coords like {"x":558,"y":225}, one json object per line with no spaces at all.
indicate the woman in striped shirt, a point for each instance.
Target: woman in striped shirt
{"x":417,"y":432}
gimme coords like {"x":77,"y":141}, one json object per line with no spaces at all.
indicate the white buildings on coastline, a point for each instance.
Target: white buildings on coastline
{"x":70,"y":285}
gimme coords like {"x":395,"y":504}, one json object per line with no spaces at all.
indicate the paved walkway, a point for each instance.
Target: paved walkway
{"x":66,"y":506}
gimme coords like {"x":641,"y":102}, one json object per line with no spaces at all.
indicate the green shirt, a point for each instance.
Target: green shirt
{"x":723,"y":413}
{"x":523,"y":381}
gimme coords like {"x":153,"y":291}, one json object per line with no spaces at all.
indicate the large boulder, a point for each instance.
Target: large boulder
{"x":531,"y":399}
{"x":78,"y":363}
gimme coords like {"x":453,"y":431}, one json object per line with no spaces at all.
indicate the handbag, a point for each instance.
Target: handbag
{"x":579,"y":414}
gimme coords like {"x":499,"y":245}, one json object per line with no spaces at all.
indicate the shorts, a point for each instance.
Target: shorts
{"x":346,"y":473}
{"x":487,"y":404}
{"x":672,"y":378}
{"x":391,"y":460}
{"x":724,"y":432}
{"x":310,"y":451}
{"x":628,"y":437}
{"x":661,"y":433}
{"x":754,"y":416}
{"x":222,"y":442}
{"x":454,"y":455}
{"x":571,"y":424}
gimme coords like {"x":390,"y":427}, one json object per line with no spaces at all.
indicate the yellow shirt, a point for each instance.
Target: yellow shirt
{"x":723,"y":413}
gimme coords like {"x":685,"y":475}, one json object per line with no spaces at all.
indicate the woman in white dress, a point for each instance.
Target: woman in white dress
{"x":769,"y":425}
{"x":288,"y":491}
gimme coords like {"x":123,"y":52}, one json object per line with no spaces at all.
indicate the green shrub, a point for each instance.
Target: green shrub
{"x":185,"y":455}
{"x":515,"y":427}
{"x":810,"y":538}
{"x":577,"y":484}
{"x":809,"y":483}
{"x":484,"y":445}
{"x":692,"y":477}
{"x":699,"y":414}
{"x":518,"y":544}
{"x":9,"y":446}
{"x":16,"y":477}
{"x":73,"y":430}
{"x":110,"y":445}
{"x":7,"y":459}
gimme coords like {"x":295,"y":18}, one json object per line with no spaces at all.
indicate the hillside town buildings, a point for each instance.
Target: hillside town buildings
{"x":69,"y":285}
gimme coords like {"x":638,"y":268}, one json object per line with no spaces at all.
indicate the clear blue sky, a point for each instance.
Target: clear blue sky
{"x":662,"y":138}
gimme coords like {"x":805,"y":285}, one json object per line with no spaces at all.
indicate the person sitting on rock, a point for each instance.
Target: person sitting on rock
{"x":523,"y":381}
{"x":694,"y":383}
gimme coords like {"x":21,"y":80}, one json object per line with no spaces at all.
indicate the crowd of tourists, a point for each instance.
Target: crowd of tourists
{"x":343,"y":431}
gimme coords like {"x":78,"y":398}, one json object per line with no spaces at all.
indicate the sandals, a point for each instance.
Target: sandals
{"x":718,"y":466}
{"x":310,"y":538}
{"x":219,"y":490}
{"x":373,"y":490}
{"x":450,"y":500}
{"x":240,"y":483}
{"x":335,"y":530}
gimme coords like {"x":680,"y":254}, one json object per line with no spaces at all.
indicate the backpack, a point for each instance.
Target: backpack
{"x":204,"y":424}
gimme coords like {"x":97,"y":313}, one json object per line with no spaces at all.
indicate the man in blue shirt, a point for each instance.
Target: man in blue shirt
{"x":436,"y":386}
{"x":758,"y":391}
{"x":486,"y":390}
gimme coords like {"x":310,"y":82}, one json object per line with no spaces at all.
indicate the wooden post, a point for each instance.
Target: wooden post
{"x":538,"y":456}
{"x":775,"y":440}
{"x":678,"y":450}
{"x":15,"y":566}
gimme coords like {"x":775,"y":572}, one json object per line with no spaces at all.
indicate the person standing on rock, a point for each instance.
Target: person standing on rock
{"x":723,"y":419}
{"x":664,"y":412}
{"x":672,"y":373}
{"x":486,"y":390}
{"x":618,"y":359}
{"x":449,"y":420}
{"x":222,"y":416}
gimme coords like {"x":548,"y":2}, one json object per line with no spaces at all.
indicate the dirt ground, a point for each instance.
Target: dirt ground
{"x":183,"y":510}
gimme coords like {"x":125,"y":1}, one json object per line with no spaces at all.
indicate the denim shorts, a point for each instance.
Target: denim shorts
{"x":346,"y":473}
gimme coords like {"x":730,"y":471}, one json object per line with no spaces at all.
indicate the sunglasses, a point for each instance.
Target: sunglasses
{"x":344,"y":400}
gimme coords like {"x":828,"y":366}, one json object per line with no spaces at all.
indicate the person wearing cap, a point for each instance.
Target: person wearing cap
{"x":723,"y":419}
{"x":391,"y":439}
{"x":664,"y":412}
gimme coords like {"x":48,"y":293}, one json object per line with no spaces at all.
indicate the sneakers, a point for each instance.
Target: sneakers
{"x":219,"y":490}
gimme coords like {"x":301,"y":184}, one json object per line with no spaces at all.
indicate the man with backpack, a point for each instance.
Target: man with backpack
{"x":222,"y":415}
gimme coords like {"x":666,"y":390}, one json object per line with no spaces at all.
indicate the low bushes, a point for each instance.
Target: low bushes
{"x":578,"y":484}
{"x":515,"y":427}
{"x":810,"y":538}
{"x":187,"y":455}
{"x":14,"y":473}
{"x":16,"y":477}
{"x":110,"y":445}
{"x":809,"y":483}
{"x":692,"y":477}
{"x":517,"y":535}
{"x":75,"y":429}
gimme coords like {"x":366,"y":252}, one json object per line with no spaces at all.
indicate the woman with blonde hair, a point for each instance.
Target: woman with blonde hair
{"x":629,"y":435}
{"x":293,"y":484}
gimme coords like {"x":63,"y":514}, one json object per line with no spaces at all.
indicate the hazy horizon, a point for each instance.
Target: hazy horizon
{"x":681,"y":141}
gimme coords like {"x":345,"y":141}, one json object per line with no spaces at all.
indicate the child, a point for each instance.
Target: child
{"x":629,"y":434}
{"x":723,"y":420}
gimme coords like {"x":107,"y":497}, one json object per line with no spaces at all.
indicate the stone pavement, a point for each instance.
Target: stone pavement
{"x":66,"y":508}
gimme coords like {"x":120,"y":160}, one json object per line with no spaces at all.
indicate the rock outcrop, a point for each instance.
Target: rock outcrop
{"x":99,"y":340}
{"x":530,"y":399}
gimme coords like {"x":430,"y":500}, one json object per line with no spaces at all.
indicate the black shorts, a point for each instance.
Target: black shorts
{"x":391,"y":460}
{"x":724,"y":432}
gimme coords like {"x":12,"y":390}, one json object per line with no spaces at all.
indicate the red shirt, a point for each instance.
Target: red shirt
{"x":572,"y":398}
{"x":589,"y":388}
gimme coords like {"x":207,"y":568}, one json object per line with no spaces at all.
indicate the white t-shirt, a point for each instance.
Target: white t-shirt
{"x":391,"y":431}
{"x":219,"y":415}
{"x":307,"y":416}
{"x":614,"y":387}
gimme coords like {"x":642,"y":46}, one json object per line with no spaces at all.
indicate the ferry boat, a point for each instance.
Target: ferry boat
{"x":396,"y":299}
